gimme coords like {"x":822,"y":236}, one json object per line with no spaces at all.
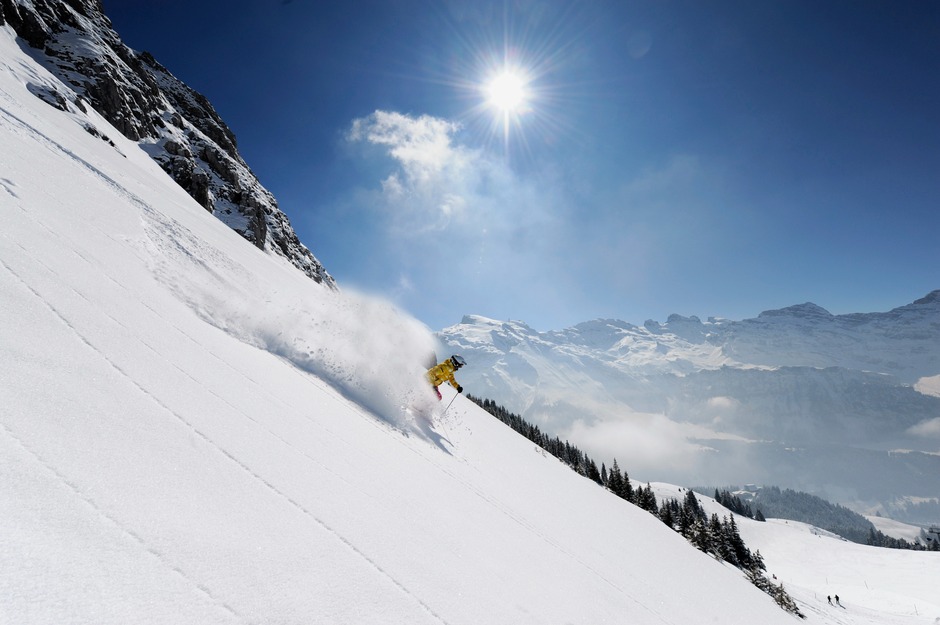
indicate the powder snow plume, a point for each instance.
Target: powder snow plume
{"x":371,"y":351}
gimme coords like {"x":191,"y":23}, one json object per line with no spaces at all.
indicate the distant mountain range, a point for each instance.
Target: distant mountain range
{"x":833,"y":404}
{"x":177,"y":126}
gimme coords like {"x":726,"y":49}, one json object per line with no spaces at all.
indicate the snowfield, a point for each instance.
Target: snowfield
{"x":192,"y":431}
{"x":874,"y":585}
{"x":896,"y":529}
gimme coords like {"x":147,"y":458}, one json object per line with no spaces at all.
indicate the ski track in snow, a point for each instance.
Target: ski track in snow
{"x":167,"y":224}
{"x":123,"y":528}
{"x":8,"y":185}
{"x":207,"y":439}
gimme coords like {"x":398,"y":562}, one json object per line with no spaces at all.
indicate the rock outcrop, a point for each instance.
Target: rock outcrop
{"x":177,"y":126}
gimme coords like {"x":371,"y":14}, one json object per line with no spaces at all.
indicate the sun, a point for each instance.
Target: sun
{"x":508,"y":95}
{"x":507,"y":92}
{"x":520,"y":81}
{"x":515,"y":95}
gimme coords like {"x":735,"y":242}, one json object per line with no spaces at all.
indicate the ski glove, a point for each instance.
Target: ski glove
{"x":459,"y":389}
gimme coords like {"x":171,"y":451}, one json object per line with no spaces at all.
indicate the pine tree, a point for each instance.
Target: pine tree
{"x":700,"y":535}
{"x":757,"y":561}
{"x":667,"y":514}
{"x":590,"y":470}
{"x":685,"y":521}
{"x":646,"y":499}
{"x":720,"y":545}
{"x":627,"y":491}
{"x":694,"y":507}
{"x":741,"y":553}
{"x":615,"y":479}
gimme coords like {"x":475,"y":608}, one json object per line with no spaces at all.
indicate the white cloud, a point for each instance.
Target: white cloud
{"x":459,"y":219}
{"x":442,"y":181}
{"x":928,"y":429}
{"x":723,"y":403}
{"x":437,"y":179}
{"x":423,"y":143}
{"x":929,"y":386}
{"x":720,"y":409}
{"x":647,"y":440}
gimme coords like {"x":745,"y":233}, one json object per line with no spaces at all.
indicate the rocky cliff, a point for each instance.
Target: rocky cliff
{"x":177,"y":126}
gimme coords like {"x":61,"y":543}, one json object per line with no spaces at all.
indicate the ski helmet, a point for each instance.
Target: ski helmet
{"x":458,"y":361}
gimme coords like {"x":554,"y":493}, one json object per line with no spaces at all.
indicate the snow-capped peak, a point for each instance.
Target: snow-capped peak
{"x":808,"y":310}
{"x":794,"y":375}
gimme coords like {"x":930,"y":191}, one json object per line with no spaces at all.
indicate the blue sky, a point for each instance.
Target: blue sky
{"x":703,"y":158}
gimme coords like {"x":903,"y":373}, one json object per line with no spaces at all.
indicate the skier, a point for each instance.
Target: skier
{"x":444,"y":372}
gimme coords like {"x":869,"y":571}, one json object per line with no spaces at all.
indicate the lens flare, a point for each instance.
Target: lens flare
{"x":507,"y":92}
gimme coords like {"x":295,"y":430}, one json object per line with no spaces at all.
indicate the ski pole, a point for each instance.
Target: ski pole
{"x":448,"y":405}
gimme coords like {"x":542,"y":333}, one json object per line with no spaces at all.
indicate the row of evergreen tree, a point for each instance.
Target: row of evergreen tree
{"x":718,"y":537}
{"x":737,"y":505}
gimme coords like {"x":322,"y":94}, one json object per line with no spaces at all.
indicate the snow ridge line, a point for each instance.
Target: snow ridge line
{"x":228,"y":455}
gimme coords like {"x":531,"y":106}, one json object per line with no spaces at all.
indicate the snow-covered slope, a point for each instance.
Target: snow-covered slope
{"x":194,"y":432}
{"x":874,"y":585}
{"x":797,"y":397}
{"x":897,"y":529}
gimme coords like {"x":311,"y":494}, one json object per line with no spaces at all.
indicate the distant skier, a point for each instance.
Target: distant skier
{"x":829,"y":599}
{"x":444,"y":372}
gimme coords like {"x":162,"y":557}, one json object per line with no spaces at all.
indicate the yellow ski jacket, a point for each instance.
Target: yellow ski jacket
{"x":441,"y":373}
